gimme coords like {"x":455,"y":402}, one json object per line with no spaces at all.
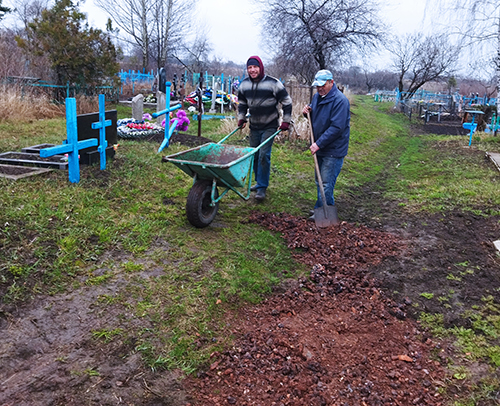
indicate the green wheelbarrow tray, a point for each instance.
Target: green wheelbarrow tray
{"x":226,"y":166}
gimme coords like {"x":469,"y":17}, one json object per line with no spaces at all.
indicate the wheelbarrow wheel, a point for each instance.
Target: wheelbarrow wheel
{"x":198,"y":210}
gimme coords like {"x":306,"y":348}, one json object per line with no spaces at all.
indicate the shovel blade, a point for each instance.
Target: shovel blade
{"x":326,"y":216}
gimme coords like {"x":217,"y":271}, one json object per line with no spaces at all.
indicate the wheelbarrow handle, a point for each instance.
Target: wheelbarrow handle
{"x":227,"y":136}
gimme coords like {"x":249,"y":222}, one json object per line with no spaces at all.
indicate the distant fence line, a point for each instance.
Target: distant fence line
{"x":425,"y":104}
{"x":224,"y":82}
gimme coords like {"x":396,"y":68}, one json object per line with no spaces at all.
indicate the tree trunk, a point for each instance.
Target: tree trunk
{"x":145,"y":37}
{"x":166,"y":35}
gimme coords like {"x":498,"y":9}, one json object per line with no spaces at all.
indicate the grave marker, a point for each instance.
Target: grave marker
{"x":138,"y":107}
{"x":71,"y":145}
{"x":101,"y":126}
{"x":85,"y":122}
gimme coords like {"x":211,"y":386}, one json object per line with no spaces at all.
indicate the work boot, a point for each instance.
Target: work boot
{"x":253,"y":188}
{"x":260,"y":195}
{"x":311,"y":212}
{"x":311,"y":218}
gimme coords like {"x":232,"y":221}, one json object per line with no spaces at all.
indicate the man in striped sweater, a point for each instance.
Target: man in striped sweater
{"x":258,"y":98}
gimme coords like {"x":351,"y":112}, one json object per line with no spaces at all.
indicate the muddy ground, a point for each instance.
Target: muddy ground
{"x":344,"y":335}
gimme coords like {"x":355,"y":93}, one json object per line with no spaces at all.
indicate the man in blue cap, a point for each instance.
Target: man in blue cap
{"x":330,"y":119}
{"x":258,"y":98}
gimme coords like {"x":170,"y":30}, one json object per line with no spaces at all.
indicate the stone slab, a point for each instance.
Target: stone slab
{"x":35,"y":149}
{"x":495,"y":157}
{"x":25,"y":159}
{"x":16,"y":172}
{"x":497,"y":244}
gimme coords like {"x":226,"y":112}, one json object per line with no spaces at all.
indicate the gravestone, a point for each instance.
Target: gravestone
{"x":161,"y":104}
{"x":162,"y":81}
{"x":90,"y":156}
{"x":174,"y":83}
{"x":214,"y":98}
{"x":138,"y":107}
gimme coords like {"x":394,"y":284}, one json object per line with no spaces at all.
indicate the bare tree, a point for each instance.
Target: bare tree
{"x":10,"y":62}
{"x":308,"y":35}
{"x":478,"y":21}
{"x":194,"y":56}
{"x":27,"y":10}
{"x":171,"y":22}
{"x":135,"y":19}
{"x":14,"y":62}
{"x":419,"y":59}
{"x":153,"y":26}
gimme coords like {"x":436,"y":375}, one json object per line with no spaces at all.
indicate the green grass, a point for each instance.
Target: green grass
{"x":178,"y":282}
{"x":431,"y":173}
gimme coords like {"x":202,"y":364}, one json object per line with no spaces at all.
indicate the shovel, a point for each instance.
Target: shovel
{"x":326,"y":215}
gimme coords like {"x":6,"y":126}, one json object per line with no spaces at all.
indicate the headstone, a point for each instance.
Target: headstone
{"x":162,"y":83}
{"x":161,"y":97}
{"x":138,"y":107}
{"x":174,"y":83}
{"x":90,"y":156}
{"x":71,"y":145}
{"x":161,"y":103}
{"x":214,"y":97}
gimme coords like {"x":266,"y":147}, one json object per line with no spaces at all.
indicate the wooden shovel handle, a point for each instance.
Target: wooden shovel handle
{"x":318,"y":173}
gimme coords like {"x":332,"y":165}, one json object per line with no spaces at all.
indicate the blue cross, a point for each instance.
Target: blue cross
{"x":101,"y":125}
{"x":472,"y":126}
{"x":71,"y":145}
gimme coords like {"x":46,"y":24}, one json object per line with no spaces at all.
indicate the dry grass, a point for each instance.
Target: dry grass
{"x":129,"y":90}
{"x":24,"y":105}
{"x":300,"y":125}
{"x":19,"y":105}
{"x":86,"y":104}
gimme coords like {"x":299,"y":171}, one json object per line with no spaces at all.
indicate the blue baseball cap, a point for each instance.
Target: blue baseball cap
{"x":321,"y":77}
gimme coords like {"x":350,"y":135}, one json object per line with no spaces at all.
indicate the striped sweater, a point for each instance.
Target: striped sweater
{"x":261,"y":100}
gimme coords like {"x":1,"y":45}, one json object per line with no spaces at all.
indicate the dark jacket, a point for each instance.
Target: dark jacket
{"x":330,"y":118}
{"x":261,"y":98}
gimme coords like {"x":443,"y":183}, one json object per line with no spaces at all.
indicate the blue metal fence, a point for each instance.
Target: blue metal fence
{"x":424,"y":96}
{"x":149,"y":78}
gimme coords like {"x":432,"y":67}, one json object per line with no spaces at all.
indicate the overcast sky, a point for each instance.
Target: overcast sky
{"x":233,"y":25}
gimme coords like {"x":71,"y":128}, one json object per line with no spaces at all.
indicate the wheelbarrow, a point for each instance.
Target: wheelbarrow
{"x":211,"y":166}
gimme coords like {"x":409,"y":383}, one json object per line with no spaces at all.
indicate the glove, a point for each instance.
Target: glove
{"x":241,"y":123}
{"x":284,"y":126}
